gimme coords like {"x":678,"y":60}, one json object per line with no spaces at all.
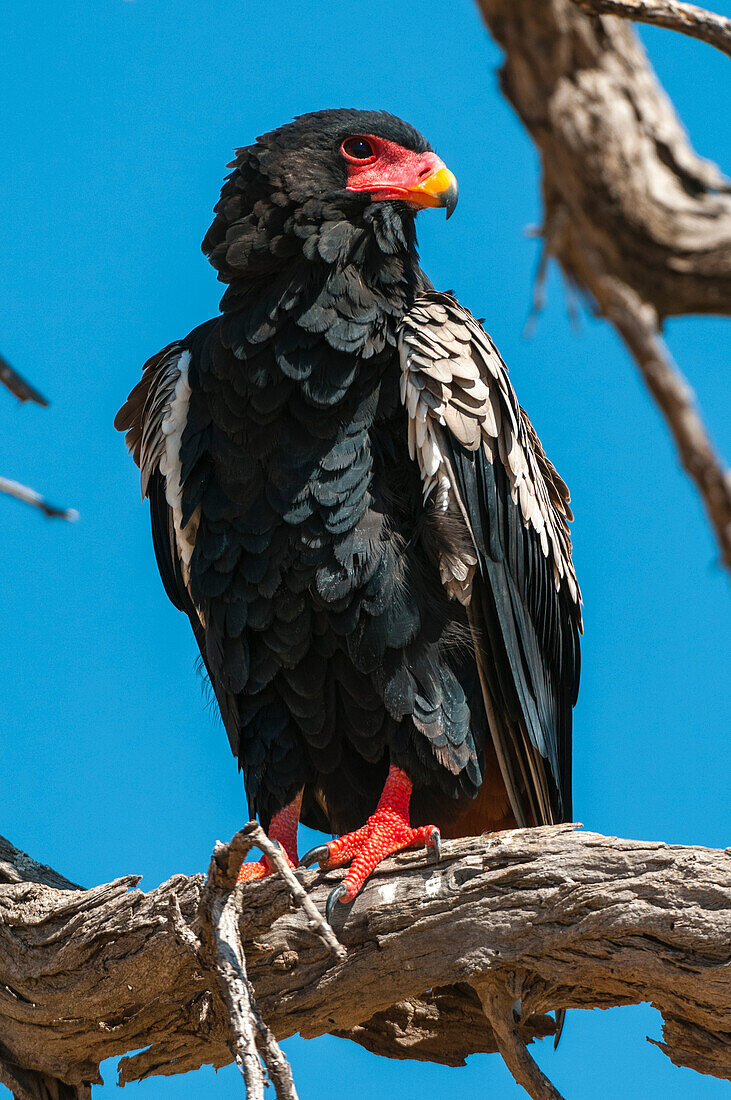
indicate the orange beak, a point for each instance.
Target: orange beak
{"x":420,"y":179}
{"x":438,"y":189}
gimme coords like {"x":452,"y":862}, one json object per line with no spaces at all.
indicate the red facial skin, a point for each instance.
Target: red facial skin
{"x":392,"y":172}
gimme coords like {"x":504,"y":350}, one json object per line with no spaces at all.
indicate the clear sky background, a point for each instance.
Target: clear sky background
{"x":118,"y":120}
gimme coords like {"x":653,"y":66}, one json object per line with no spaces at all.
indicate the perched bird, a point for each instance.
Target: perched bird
{"x":357,"y":516}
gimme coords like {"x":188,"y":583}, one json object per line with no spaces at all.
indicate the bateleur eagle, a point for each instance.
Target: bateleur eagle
{"x":357,"y":516}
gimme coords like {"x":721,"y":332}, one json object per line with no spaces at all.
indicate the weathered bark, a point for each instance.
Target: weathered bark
{"x":636,"y":219}
{"x":673,"y":14}
{"x":553,"y":916}
{"x":255,"y":1049}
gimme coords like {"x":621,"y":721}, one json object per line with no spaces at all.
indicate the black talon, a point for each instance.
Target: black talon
{"x":436,"y":844}
{"x":335,"y":895}
{"x":319,"y":854}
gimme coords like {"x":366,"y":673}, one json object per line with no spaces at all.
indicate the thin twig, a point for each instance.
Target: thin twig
{"x":497,"y":1004}
{"x":30,"y":496}
{"x":278,"y":1068}
{"x":637,"y":324}
{"x":237,"y":991}
{"x":676,"y":16}
{"x":549,"y":236}
{"x":254,"y":833}
{"x":252,"y":1036}
{"x":18,"y":385}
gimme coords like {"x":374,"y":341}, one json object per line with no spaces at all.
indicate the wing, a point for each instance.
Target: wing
{"x":165,"y":425}
{"x":153,"y":418}
{"x":504,"y":550}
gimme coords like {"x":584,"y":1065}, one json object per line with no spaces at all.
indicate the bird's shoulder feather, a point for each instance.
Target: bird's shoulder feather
{"x":455,"y":383}
{"x":481,"y":462}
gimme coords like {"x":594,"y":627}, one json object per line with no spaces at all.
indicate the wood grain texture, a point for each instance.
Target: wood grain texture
{"x":559,"y":917}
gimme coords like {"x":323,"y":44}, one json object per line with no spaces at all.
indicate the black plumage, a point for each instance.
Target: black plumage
{"x":353,"y":606}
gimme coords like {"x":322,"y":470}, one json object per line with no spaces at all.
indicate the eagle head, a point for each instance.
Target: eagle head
{"x":331,"y":167}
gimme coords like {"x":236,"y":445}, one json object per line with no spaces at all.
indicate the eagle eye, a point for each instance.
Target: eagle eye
{"x":357,"y":148}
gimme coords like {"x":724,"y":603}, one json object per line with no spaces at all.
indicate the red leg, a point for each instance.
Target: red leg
{"x":283,"y":827}
{"x":386,"y":831}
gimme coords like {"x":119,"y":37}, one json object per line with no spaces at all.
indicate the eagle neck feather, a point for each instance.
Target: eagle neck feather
{"x":331,"y":302}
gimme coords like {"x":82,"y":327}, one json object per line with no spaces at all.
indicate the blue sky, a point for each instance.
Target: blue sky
{"x":119,"y":118}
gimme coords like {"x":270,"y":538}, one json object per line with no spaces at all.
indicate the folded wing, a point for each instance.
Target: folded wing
{"x":484,"y":470}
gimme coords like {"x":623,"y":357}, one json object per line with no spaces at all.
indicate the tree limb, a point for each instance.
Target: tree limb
{"x":636,"y":322}
{"x":498,"y":1007}
{"x":18,"y":386}
{"x":16,"y":866}
{"x":30,"y":496}
{"x":251,"y":1035}
{"x":559,"y":918}
{"x":27,"y":1085}
{"x":631,"y":212}
{"x":226,"y":915}
{"x":676,"y":16}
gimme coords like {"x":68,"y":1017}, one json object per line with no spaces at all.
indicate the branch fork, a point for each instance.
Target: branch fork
{"x":252,"y":1041}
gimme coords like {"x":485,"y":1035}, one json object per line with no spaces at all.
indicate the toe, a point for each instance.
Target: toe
{"x":387,"y":836}
{"x":338,"y":852}
{"x":346,"y":847}
{"x":251,"y":871}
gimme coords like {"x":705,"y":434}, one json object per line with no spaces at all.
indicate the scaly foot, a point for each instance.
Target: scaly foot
{"x":387,"y":831}
{"x":283,"y":829}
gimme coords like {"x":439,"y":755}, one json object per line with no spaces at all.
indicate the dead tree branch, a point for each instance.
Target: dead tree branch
{"x":551,"y":917}
{"x":25,"y":392}
{"x":675,"y":16}
{"x":251,"y":1036}
{"x":30,"y":496}
{"x":637,"y":324}
{"x":226,"y":914}
{"x":498,"y":1006}
{"x":254,"y":837}
{"x":644,"y":222}
{"x":18,"y":386}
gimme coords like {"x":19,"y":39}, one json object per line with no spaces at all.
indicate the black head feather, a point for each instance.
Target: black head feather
{"x":291,"y":182}
{"x":326,"y":130}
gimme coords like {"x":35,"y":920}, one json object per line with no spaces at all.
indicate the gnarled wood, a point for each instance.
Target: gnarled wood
{"x":499,"y":1006}
{"x":676,"y":16}
{"x":562,"y":918}
{"x":632,"y":213}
